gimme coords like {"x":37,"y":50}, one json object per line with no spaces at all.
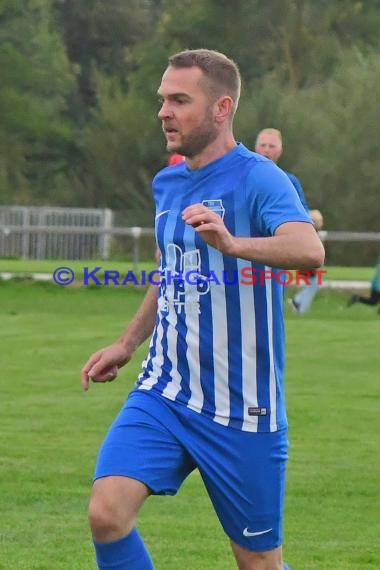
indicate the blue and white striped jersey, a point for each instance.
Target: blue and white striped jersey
{"x":218,"y":343}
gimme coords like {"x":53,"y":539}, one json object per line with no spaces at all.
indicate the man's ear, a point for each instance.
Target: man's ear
{"x":223,"y":108}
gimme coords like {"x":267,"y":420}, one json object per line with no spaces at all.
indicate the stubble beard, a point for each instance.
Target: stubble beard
{"x":199,"y":139}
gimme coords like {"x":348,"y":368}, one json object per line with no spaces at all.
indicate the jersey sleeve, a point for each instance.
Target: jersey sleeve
{"x":297,"y":185}
{"x":273,"y":199}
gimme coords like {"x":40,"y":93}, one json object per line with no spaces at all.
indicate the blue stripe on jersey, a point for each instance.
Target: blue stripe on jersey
{"x":181,"y":327}
{"x":233,"y":325}
{"x":206,"y":348}
{"x":234,"y":354}
{"x":262,"y":351}
{"x":279,"y":349}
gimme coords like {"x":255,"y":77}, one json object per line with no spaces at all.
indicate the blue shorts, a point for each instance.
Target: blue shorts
{"x":159,"y":443}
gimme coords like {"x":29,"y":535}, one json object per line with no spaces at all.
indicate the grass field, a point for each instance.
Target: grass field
{"x":51,"y":431}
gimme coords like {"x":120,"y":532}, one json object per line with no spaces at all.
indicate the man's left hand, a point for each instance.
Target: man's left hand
{"x":210,"y":226}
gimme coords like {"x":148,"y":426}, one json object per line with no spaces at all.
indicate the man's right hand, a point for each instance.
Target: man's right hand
{"x":103,"y":365}
{"x":317,"y":219}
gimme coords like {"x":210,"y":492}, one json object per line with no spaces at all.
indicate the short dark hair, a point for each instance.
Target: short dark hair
{"x":221,"y":72}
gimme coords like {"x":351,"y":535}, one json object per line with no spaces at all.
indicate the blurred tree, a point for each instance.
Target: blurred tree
{"x":35,"y":134}
{"x":309,"y":68}
{"x":340,"y":161}
{"x":330,"y":137}
{"x":298,"y":39}
{"x":99,"y":36}
{"x":119,"y":147}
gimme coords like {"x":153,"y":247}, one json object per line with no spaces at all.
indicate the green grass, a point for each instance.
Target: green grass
{"x":349,"y":273}
{"x":48,"y":266}
{"x":51,"y":432}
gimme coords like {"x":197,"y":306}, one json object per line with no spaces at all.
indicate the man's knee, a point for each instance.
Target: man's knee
{"x":103,"y":520}
{"x":248,"y":560}
{"x":113,"y":507}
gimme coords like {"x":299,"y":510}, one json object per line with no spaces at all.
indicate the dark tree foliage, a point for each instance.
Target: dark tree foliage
{"x":78,"y":103}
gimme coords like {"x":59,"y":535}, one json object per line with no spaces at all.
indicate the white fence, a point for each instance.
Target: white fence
{"x":52,"y":232}
{"x":349,"y":236}
{"x":81,"y":233}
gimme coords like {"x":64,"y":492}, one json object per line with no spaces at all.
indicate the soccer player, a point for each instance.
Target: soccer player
{"x":210,"y":395}
{"x":269,"y":144}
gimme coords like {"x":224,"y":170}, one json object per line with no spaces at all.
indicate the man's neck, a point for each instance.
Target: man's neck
{"x":212,"y":152}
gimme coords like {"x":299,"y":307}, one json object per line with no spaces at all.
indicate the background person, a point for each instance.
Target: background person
{"x":269,"y":144}
{"x":208,"y":396}
{"x":374,"y":297}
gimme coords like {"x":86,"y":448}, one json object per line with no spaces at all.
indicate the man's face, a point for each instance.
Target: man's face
{"x":269,"y":145}
{"x":186,"y":112}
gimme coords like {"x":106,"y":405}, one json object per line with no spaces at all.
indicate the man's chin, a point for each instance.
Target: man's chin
{"x":172,"y":147}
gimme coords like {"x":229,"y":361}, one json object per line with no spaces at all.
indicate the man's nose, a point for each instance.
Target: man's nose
{"x":165,"y":112}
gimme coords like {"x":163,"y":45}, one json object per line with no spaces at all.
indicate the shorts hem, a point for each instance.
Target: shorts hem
{"x":151,"y":488}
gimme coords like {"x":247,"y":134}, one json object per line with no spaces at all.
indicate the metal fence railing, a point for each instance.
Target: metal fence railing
{"x":34,"y":232}
{"x":81,"y":233}
{"x":349,"y":236}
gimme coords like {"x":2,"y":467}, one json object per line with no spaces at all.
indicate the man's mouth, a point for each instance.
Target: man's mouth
{"x":170,"y":133}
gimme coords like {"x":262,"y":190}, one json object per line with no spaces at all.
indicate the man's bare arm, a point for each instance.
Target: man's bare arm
{"x":294,"y":245}
{"x":103,"y":365}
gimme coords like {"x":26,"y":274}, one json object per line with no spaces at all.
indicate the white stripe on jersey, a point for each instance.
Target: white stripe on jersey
{"x":248,"y":334}
{"x":272,"y":373}
{"x":196,"y":400}
{"x":174,"y":386}
{"x":145,"y":361}
{"x":191,"y":261}
{"x":157,"y":362}
{"x":220,"y":343}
